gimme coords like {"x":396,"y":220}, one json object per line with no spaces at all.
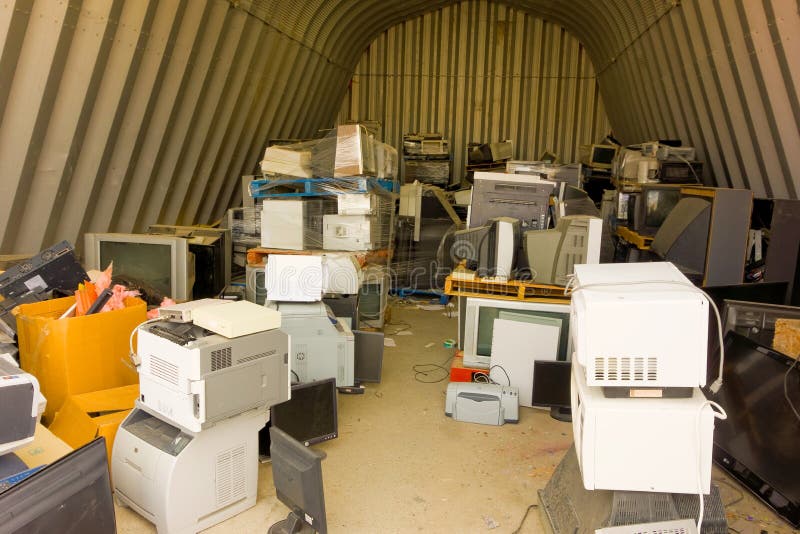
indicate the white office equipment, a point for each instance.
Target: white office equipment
{"x":236,"y":319}
{"x":341,"y":274}
{"x":292,"y":224}
{"x":182,"y":312}
{"x":411,"y":204}
{"x":641,"y":444}
{"x":676,"y":526}
{"x":639,"y":324}
{"x":294,"y":278}
{"x":518,"y":341}
{"x":183,"y":482}
{"x":480,"y":316}
{"x":351,"y":232}
{"x":487,"y":404}
{"x":22,"y":403}
{"x":195,"y":379}
{"x":322,"y":346}
{"x":356,"y":203}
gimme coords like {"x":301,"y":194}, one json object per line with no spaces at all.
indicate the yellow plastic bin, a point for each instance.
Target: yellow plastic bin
{"x":76,"y":354}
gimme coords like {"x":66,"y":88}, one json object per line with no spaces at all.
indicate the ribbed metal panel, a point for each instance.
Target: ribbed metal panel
{"x":115,"y":114}
{"x":480,"y":71}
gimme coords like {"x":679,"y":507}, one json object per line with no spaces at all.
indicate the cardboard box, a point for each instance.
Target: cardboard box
{"x":77,"y":354}
{"x":354,"y":151}
{"x":82,"y":418}
{"x":45,"y":448}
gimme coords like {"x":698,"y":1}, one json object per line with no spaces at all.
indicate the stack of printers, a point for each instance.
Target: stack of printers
{"x":22,"y":404}
{"x":186,"y":457}
{"x":322,"y":345}
{"x":641,"y":422}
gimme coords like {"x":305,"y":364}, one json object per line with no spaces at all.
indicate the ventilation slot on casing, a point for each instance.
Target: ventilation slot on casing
{"x":164,"y":370}
{"x":220,"y":359}
{"x":230,"y":476}
{"x":626,"y":369}
{"x":252,"y":357}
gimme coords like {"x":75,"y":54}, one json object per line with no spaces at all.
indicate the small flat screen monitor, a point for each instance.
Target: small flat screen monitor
{"x":551,"y":383}
{"x":297,"y":475}
{"x":162,"y":264}
{"x":757,"y":443}
{"x":310,"y":415}
{"x":74,"y":492}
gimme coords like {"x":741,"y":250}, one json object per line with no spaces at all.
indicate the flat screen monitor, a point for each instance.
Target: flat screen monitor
{"x":160,"y":263}
{"x":551,"y":383}
{"x":310,"y":415}
{"x":480,"y":315}
{"x":297,"y":475}
{"x":213,"y":253}
{"x":73,"y":491}
{"x":757,"y":443}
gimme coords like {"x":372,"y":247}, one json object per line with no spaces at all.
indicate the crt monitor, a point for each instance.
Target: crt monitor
{"x":158,"y":264}
{"x":297,"y":475}
{"x":213,"y":251}
{"x":553,"y":254}
{"x":480,"y":315}
{"x":653,"y":206}
{"x":310,"y":414}
{"x":683,"y":236}
{"x":73,"y":491}
{"x":757,"y":443}
{"x":490,"y":250}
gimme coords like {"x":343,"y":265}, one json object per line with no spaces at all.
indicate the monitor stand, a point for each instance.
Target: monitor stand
{"x":291,"y":525}
{"x":561,"y":413}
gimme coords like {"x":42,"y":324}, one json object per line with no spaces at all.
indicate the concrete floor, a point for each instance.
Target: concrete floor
{"x":400,"y":465}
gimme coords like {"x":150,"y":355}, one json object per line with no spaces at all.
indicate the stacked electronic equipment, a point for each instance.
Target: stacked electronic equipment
{"x":186,"y":457}
{"x":426,"y":159}
{"x":330,"y":197}
{"x":640,"y":420}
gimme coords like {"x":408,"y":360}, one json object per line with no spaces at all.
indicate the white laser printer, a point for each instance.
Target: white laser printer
{"x":322,"y":345}
{"x":22,"y":404}
{"x":195,"y":378}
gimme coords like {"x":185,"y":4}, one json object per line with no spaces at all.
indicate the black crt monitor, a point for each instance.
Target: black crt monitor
{"x":603,"y":155}
{"x":757,"y":443}
{"x":551,"y":387}
{"x":653,"y":206}
{"x":73,"y":493}
{"x":683,"y":237}
{"x":297,"y":475}
{"x":310,"y":415}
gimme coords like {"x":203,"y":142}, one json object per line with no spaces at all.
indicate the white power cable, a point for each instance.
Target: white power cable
{"x":722,"y":415}
{"x":134,"y":357}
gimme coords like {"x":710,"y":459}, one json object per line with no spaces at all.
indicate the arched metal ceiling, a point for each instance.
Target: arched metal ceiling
{"x":120,"y":113}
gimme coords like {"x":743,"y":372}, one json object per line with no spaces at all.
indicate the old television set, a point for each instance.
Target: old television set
{"x":160,"y":263}
{"x":297,"y":475}
{"x":757,"y":443}
{"x":480,"y":315}
{"x":490,"y":250}
{"x":213,"y":252}
{"x":553,"y":254}
{"x":310,"y":414}
{"x":74,"y":490}
{"x":648,"y":210}
{"x":598,"y":156}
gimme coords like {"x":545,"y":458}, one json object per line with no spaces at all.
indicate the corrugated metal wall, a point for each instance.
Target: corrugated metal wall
{"x":115,"y":114}
{"x":119,"y":114}
{"x":480,"y":71}
{"x":723,"y":76}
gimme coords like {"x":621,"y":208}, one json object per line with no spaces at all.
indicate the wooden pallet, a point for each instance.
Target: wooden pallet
{"x":511,"y":290}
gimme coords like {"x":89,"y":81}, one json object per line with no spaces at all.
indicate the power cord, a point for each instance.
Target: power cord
{"x":722,"y":415}
{"x":424,"y":369}
{"x":486,"y":377}
{"x":524,"y":517}
{"x":133,"y":355}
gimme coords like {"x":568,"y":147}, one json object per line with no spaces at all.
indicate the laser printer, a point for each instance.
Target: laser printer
{"x":184,"y":482}
{"x":322,"y":345}
{"x":22,"y":404}
{"x":195,"y":378}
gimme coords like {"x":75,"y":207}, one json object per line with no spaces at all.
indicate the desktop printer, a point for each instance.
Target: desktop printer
{"x":22,"y":404}
{"x":196,"y":378}
{"x":487,"y":404}
{"x":639,"y":325}
{"x":322,"y":345}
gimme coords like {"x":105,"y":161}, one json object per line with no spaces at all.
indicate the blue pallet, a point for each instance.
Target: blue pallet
{"x":313,"y":187}
{"x":408,"y":292}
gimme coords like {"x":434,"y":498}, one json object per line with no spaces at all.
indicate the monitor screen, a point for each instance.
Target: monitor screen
{"x":297,"y":476}
{"x":658,"y":204}
{"x":551,"y":383}
{"x":368,"y":356}
{"x":757,"y":443}
{"x":603,"y":155}
{"x":149,"y":263}
{"x":74,"y":490}
{"x":309,"y":416}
